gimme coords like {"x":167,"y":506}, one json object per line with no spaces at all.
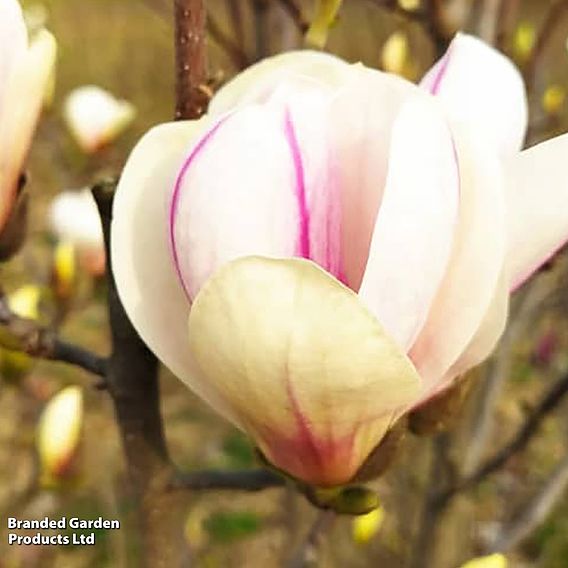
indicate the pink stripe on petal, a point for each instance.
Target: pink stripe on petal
{"x":304,"y":216}
{"x":440,"y":73}
{"x":176,"y":195}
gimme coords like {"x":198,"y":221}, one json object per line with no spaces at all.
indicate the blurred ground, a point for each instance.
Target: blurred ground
{"x":126,"y":47}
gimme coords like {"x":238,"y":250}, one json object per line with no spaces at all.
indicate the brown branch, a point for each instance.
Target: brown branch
{"x":558,"y":10}
{"x":534,"y":512}
{"x":235,"y":53}
{"x":290,"y":7}
{"x":191,"y":59}
{"x":431,"y":18}
{"x":304,"y":556}
{"x":133,"y":385}
{"x":27,"y":336}
{"x":212,"y":480}
{"x":551,"y":399}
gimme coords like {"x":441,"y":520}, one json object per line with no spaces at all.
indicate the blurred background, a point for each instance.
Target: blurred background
{"x":126,"y":48}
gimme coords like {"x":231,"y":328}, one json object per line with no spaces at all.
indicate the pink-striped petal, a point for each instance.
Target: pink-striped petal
{"x":238,"y":194}
{"x":537,"y":206}
{"x":414,"y":230}
{"x":482,"y":90}
{"x":140,"y":252}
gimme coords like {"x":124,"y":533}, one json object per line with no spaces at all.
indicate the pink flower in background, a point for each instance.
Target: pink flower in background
{"x":25,"y":71}
{"x":332,"y":245}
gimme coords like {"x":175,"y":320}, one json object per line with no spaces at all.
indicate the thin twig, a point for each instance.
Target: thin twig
{"x":295,"y":14}
{"x":556,"y":13}
{"x":260,"y":18}
{"x":248,"y":480}
{"x":431,"y":18}
{"x":552,"y":398}
{"x":43,"y":343}
{"x":533,"y":513}
{"x":441,"y":472}
{"x":307,"y":551}
{"x":527,"y":301}
{"x":236,"y":54}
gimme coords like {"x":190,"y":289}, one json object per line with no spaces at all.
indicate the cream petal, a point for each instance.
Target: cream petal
{"x":309,"y":372}
{"x":23,"y":102}
{"x":482,"y":90}
{"x":360,"y":124}
{"x":412,"y":240}
{"x":238,"y":194}
{"x":472,"y":277}
{"x":13,"y":41}
{"x":257,"y":83}
{"x":143,"y":268}
{"x":537,"y":197}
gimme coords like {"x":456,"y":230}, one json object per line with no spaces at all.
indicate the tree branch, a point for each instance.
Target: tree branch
{"x":235,"y":52}
{"x":556,"y":13}
{"x":534,"y":512}
{"x":290,"y":7}
{"x":547,"y":404}
{"x":431,"y":18}
{"x":43,"y":343}
{"x":304,"y":556}
{"x":191,"y":59}
{"x":249,"y":480}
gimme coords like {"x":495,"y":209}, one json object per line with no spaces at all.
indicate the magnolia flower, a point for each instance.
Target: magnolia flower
{"x":74,"y":218}
{"x":331,"y":245}
{"x":25,"y":71}
{"x":59,"y":433}
{"x":95,"y":117}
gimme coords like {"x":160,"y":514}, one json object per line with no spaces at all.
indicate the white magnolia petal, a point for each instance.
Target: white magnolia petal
{"x":360,"y":123}
{"x":142,"y":264}
{"x":307,"y":369}
{"x":257,"y":83}
{"x":237,"y":195}
{"x":23,"y":100}
{"x":13,"y":42}
{"x":482,"y":90}
{"x":413,"y":235}
{"x":477,"y":262}
{"x":537,"y":198}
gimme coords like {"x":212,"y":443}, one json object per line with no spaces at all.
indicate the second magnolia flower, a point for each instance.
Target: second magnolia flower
{"x":332,"y":245}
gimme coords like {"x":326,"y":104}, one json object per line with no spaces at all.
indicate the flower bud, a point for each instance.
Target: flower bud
{"x":58,"y":435}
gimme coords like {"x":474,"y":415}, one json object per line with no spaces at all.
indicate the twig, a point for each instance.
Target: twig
{"x":295,"y":14}
{"x":235,"y":9}
{"x":191,"y":59}
{"x":248,"y":480}
{"x":431,"y":18}
{"x":547,"y":404}
{"x":237,"y":55}
{"x":43,"y":343}
{"x":260,"y":15}
{"x":307,"y":550}
{"x":527,"y":301}
{"x":554,"y":17}
{"x":441,"y":471}
{"x":534,"y":512}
